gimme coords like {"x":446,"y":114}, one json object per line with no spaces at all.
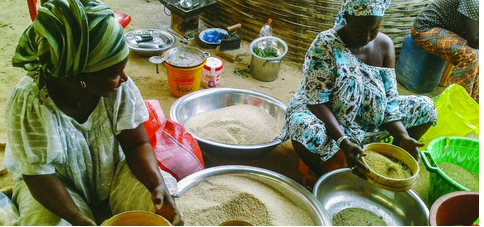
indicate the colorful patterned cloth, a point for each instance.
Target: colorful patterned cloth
{"x":454,"y":49}
{"x":70,"y":37}
{"x":361,"y":97}
{"x":456,"y":12}
{"x":361,"y":8}
{"x":441,"y":36}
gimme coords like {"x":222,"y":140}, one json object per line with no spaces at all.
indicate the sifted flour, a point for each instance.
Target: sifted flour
{"x":238,"y":124}
{"x":230,"y":197}
{"x":460,"y":175}
{"x":387,"y":166}
{"x":357,"y":217}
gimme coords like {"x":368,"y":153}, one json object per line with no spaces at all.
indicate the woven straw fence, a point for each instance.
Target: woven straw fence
{"x":297,"y":22}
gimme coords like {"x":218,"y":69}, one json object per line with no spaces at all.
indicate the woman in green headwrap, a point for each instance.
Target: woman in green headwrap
{"x":348,"y":96}
{"x":75,"y":138}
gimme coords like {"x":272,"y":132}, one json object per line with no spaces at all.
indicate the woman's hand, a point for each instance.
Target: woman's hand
{"x":401,"y":137}
{"x":353,"y":152}
{"x":411,"y":146}
{"x":142,"y":162}
{"x":165,"y":205}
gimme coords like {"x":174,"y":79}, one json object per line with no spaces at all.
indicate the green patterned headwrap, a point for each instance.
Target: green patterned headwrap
{"x":70,"y":37}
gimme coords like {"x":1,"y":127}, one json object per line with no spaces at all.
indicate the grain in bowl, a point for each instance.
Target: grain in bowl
{"x":222,"y":198}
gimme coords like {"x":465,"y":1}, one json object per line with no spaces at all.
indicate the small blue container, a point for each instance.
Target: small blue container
{"x":418,"y":70}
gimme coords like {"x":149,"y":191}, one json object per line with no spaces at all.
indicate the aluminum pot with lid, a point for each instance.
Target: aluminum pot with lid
{"x":185,"y":57}
{"x":267,"y":68}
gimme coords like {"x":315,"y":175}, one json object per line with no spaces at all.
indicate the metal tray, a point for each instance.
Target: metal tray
{"x":159,"y":42}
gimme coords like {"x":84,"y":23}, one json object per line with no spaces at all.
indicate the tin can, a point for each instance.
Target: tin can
{"x":212,"y":71}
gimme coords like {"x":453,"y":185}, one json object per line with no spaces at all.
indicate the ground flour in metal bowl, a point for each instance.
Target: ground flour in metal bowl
{"x":357,"y":217}
{"x":230,"y":197}
{"x":238,"y":124}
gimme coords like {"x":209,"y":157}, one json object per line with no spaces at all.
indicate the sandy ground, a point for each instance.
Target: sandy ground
{"x":14,"y":18}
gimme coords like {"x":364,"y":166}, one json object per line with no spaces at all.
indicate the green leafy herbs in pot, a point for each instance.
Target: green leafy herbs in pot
{"x":266,"y":52}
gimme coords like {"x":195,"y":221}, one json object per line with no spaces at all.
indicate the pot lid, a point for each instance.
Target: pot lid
{"x":149,"y":40}
{"x":184,"y":56}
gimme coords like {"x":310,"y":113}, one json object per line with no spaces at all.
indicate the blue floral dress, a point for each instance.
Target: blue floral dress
{"x":361,"y":97}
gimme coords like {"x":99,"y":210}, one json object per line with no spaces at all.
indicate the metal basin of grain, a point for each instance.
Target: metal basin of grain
{"x":295,"y":192}
{"x":215,"y":98}
{"x":341,"y":189}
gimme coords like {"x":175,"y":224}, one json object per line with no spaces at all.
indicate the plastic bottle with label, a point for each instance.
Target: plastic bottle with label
{"x":266,"y":30}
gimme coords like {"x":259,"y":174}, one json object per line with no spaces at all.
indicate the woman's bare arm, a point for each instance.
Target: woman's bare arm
{"x":142,"y":162}
{"x":334,"y":130}
{"x":388,"y":50}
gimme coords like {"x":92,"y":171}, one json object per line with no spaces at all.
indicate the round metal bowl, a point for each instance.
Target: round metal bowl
{"x":288,"y":187}
{"x":161,"y":41}
{"x":216,"y":98}
{"x":341,"y":189}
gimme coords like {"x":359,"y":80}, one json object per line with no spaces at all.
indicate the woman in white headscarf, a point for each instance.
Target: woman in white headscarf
{"x":348,"y":96}
{"x":75,"y":134}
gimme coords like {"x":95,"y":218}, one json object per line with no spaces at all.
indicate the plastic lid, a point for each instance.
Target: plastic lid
{"x":213,"y":62}
{"x":270,"y":20}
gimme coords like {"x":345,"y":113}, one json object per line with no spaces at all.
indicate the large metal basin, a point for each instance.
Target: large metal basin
{"x":216,"y":98}
{"x":290,"y":188}
{"x":340,"y":189}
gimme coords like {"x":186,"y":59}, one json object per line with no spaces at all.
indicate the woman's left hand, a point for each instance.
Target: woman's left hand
{"x":165,"y":205}
{"x":411,"y":146}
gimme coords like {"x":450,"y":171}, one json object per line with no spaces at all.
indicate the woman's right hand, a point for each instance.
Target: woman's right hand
{"x":165,"y":205}
{"x":353,"y":153}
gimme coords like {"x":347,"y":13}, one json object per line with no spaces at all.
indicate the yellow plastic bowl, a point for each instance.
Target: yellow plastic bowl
{"x":136,"y":218}
{"x":397,"y":185}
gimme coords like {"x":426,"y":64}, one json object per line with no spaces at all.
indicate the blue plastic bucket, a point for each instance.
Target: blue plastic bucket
{"x":418,"y":70}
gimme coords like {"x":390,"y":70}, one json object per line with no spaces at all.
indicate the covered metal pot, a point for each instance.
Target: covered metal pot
{"x":149,"y":42}
{"x":185,"y":57}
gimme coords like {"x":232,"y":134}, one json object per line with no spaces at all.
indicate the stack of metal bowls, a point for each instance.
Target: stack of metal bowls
{"x":216,"y":98}
{"x":149,"y":42}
